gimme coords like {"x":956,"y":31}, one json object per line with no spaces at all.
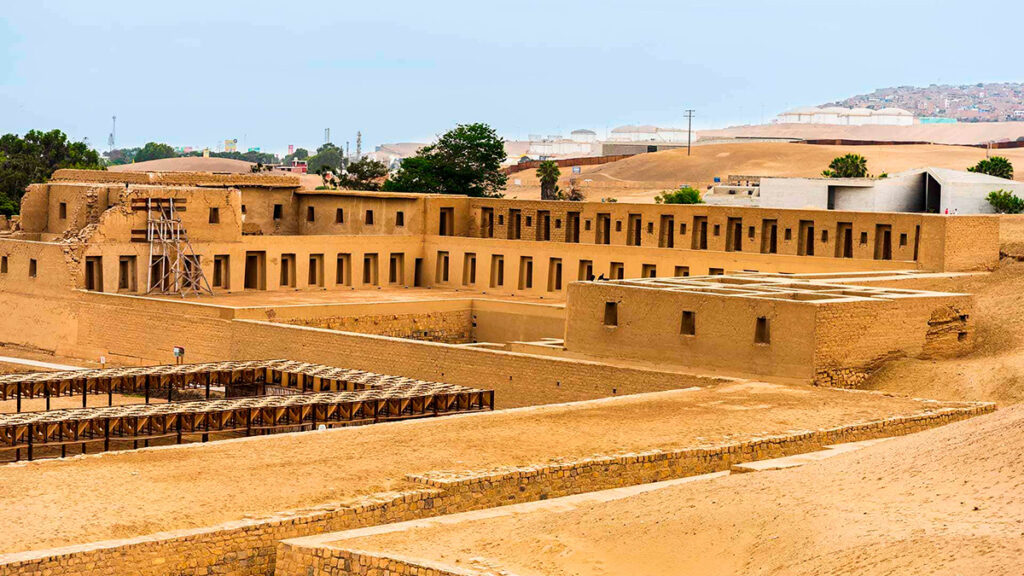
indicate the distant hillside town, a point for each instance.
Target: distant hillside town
{"x":981,"y":102}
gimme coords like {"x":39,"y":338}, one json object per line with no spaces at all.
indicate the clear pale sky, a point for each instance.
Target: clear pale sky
{"x":277,"y":73}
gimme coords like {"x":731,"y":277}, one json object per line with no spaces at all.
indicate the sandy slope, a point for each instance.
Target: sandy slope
{"x":945,"y":501}
{"x":187,"y":164}
{"x":995,"y":370}
{"x":640,"y":178}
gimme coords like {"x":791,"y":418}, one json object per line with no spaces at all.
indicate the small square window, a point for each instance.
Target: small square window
{"x":3,"y":264}
{"x":501,"y":219}
{"x":400,"y":218}
{"x":716,"y":271}
{"x":750,"y":232}
{"x":243,"y":209}
{"x":586,"y":225}
{"x":682,"y":228}
{"x":369,"y":217}
{"x":32,"y":268}
{"x":762,"y":332}
{"x":63,"y":210}
{"x":558,"y":223}
{"x":903,"y":239}
{"x":339,"y":216}
{"x":789,"y":233}
{"x":718,"y":228}
{"x":278,"y":210}
{"x":529,"y":220}
{"x":214,"y":215}
{"x":310,"y":214}
{"x":863,"y":237}
{"x":688,"y":326}
{"x":618,"y":225}
{"x":611,"y":314}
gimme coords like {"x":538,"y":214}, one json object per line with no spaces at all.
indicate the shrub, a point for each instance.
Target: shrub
{"x":684,"y":195}
{"x":994,"y":166}
{"x":848,"y":166}
{"x":1005,"y":202}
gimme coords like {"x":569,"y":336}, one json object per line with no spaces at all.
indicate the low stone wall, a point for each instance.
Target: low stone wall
{"x":446,"y":327}
{"x":247,"y":547}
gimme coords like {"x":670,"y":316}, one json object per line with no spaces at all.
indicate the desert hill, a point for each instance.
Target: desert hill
{"x":641,"y":177}
{"x":187,"y":164}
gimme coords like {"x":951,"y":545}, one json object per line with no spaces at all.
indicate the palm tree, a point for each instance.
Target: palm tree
{"x":548,"y":174}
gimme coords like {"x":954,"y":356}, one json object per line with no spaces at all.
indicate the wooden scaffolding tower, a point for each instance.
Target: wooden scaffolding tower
{"x":174,"y":267}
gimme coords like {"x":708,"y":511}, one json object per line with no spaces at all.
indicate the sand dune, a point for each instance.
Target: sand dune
{"x":187,"y":164}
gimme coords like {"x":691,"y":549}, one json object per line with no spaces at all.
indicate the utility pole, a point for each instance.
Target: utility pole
{"x":113,"y":134}
{"x":689,"y":129}
{"x":359,"y":146}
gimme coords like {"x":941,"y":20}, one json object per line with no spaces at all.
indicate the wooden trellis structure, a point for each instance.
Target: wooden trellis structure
{"x":331,"y":397}
{"x":253,"y":374}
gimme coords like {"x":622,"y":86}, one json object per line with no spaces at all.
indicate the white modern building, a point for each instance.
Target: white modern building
{"x":648,"y":133}
{"x":931,"y":190}
{"x":835,"y":115}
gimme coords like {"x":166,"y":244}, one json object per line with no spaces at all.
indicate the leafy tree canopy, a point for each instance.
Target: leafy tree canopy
{"x":464,"y":160}
{"x":684,"y":195}
{"x":548,"y":174}
{"x":995,"y":166}
{"x":155,"y":151}
{"x":848,"y":166}
{"x":119,"y":156}
{"x":1005,"y":202}
{"x":364,"y":174}
{"x":35,"y":158}
{"x":326,"y":159}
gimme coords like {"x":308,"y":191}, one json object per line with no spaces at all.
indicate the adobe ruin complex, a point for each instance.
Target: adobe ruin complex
{"x":661,"y":341}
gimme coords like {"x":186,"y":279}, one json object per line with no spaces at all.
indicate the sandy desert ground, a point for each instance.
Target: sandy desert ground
{"x":146,"y":491}
{"x":944,"y":501}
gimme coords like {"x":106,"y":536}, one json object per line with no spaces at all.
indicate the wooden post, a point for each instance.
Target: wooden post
{"x":46,"y":393}
{"x":60,"y":438}
{"x":106,"y":435}
{"x":110,"y":392}
{"x":85,"y":391}
{"x":180,"y":416}
{"x":19,"y":396}
{"x":248,"y":422}
{"x":207,"y":388}
{"x":147,"y":390}
{"x":29,"y":441}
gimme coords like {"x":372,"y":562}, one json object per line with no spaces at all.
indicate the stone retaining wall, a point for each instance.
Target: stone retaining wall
{"x":247,"y":547}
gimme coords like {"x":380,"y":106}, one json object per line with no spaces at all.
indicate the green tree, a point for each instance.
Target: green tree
{"x":548,"y":174}
{"x":684,"y":195}
{"x":1005,"y":202}
{"x":155,"y":151}
{"x":364,"y":174}
{"x":119,"y":156}
{"x":848,"y":166}
{"x":327,"y":158}
{"x":464,"y":160}
{"x":994,"y":166}
{"x":35,"y":158}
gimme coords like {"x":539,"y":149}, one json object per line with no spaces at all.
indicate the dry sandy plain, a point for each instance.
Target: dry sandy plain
{"x":147,"y":491}
{"x":642,"y":177}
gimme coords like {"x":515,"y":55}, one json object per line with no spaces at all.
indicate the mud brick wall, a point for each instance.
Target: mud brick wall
{"x":851,"y":339}
{"x":252,"y":547}
{"x":448,"y":327}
